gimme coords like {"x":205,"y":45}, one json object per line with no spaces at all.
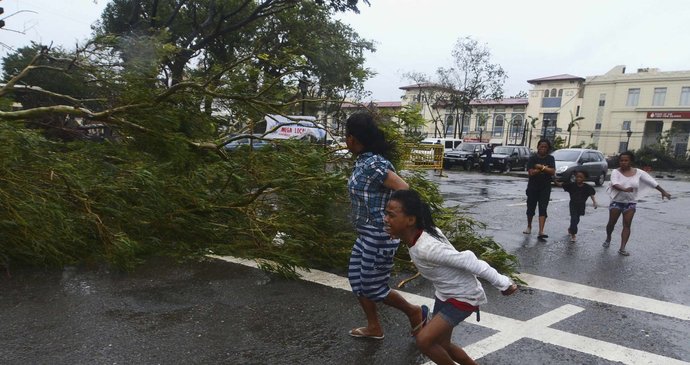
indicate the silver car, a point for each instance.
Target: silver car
{"x":591,"y":161}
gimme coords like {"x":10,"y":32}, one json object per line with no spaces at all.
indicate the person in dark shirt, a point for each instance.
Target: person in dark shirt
{"x":579,"y":193}
{"x":540,"y":167}
{"x":486,"y":165}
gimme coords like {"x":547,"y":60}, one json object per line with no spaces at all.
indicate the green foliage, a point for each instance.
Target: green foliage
{"x":558,"y":143}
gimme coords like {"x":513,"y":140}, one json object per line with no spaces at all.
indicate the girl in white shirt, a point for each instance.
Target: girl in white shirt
{"x":453,"y":274}
{"x":627,"y":183}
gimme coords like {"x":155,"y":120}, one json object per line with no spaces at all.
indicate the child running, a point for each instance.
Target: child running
{"x":453,"y":274}
{"x":579,"y":192}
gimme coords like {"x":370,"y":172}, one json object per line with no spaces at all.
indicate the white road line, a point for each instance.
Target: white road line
{"x":608,"y":296}
{"x":511,"y":330}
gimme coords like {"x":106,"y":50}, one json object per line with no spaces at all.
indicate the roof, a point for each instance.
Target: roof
{"x":562,"y":77}
{"x":508,"y":101}
{"x":377,"y":104}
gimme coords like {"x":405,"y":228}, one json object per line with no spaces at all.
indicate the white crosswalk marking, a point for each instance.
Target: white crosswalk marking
{"x":511,"y":330}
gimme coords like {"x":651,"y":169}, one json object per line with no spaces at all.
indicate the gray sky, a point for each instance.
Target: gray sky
{"x":529,"y":39}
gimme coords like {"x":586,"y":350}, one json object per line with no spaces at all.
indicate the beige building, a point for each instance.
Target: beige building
{"x":495,"y":121}
{"x":621,"y":110}
{"x":637,"y":107}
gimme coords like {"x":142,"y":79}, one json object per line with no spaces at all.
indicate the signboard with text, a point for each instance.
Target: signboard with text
{"x":297,"y":126}
{"x":668,"y":115}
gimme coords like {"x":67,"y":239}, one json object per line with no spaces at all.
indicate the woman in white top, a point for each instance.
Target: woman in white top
{"x":627,"y":183}
{"x":453,"y":274}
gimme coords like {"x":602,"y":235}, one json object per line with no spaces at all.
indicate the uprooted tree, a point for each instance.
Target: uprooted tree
{"x":176,"y":81}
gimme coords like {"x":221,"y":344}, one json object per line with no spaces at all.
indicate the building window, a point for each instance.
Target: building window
{"x":546,"y":93}
{"x":577,"y":111}
{"x":560,"y":93}
{"x":685,"y":95}
{"x":597,"y":126}
{"x":626,"y":125}
{"x":553,"y":93}
{"x":498,"y":125}
{"x":633,"y":97}
{"x":659,"y":96}
{"x":622,"y":147}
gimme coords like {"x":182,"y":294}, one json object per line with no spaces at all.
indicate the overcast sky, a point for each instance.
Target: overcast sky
{"x":529,"y":39}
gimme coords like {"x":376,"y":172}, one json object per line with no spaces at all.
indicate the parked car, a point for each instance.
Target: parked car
{"x":591,"y":161}
{"x":244,"y":143}
{"x":448,"y":143}
{"x":466,"y":154}
{"x":506,"y":158}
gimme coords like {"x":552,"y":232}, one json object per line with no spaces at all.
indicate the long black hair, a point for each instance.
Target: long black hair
{"x":362,"y":126}
{"x":412,"y":204}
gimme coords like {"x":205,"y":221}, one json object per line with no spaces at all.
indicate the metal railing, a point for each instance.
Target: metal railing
{"x":423,"y":157}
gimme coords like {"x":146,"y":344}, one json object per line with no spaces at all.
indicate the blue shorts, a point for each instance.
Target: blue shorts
{"x":450,"y":313}
{"x":623,"y":207}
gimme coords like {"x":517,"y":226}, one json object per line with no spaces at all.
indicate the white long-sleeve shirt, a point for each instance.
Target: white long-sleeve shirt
{"x":641,"y":183}
{"x":453,"y":273}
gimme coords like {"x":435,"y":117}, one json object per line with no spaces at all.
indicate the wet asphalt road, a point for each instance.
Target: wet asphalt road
{"x":216,"y":312}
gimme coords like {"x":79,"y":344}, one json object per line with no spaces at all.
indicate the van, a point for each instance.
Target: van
{"x":448,"y":143}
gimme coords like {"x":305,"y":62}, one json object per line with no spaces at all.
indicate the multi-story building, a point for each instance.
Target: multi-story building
{"x":554,"y":102}
{"x":499,"y":121}
{"x":621,"y":110}
{"x":632,"y":110}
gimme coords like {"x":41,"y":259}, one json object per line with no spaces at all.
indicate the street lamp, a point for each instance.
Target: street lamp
{"x":480,"y":135}
{"x":627,"y":143}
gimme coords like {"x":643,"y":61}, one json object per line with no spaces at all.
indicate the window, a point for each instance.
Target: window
{"x":685,"y":95}
{"x":498,"y":125}
{"x":577,"y":111}
{"x":546,"y":93}
{"x":602,"y":102}
{"x":622,"y":147}
{"x":597,"y":126}
{"x":560,"y":93}
{"x":633,"y":97}
{"x":602,"y":99}
{"x":553,"y":93}
{"x":626,"y":125}
{"x":659,"y":96}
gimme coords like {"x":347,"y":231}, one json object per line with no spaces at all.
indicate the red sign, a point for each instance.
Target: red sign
{"x":668,"y":115}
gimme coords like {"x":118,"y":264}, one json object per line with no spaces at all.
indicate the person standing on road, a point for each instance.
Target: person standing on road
{"x":540,"y":168}
{"x":372,"y":181}
{"x":454,"y":274}
{"x":627,"y":183}
{"x":486,"y":163}
{"x":579,"y":193}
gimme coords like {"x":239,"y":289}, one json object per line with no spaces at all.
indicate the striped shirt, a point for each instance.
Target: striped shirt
{"x":367,"y":193}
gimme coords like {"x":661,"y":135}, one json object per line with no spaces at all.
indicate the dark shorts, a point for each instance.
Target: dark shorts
{"x":538,"y":198}
{"x":623,"y":207}
{"x":449,"y":312}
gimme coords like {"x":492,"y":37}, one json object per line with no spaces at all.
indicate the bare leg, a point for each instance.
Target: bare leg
{"x":627,"y":222}
{"x":434,"y":342}
{"x":373,"y":327}
{"x":529,"y":225}
{"x":542,"y":223}
{"x":413,"y":312}
{"x":614,"y":214}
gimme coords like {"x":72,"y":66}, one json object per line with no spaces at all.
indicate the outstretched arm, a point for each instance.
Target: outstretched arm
{"x":664,"y":193}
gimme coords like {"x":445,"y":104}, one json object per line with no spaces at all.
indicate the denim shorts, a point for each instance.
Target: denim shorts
{"x":450,"y":313}
{"x":623,"y":207}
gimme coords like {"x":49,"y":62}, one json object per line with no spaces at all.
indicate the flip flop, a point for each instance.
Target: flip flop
{"x":357,"y":332}
{"x":542,"y":236}
{"x":527,"y":231}
{"x":624,"y":252}
{"x":424,"y":322}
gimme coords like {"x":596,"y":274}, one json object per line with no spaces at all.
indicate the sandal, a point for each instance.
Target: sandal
{"x":527,"y":231}
{"x":359,"y":333}
{"x":542,"y":236}
{"x":624,"y":252}
{"x":606,"y":243}
{"x":426,"y":316}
